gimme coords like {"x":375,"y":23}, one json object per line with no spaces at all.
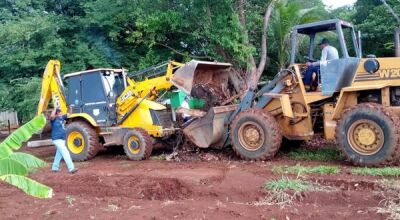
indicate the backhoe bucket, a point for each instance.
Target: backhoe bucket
{"x":210,"y":130}
{"x":201,"y":72}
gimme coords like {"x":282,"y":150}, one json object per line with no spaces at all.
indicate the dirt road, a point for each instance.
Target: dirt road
{"x":111,"y":187}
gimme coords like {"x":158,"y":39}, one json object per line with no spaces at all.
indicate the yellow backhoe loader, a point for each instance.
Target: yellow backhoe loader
{"x":110,"y":108}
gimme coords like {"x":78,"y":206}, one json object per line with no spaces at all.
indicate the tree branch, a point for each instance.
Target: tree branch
{"x":257,"y":71}
{"x":267,"y":17}
{"x":391,"y":11}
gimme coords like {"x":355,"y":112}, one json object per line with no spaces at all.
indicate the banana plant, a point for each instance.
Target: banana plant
{"x":15,"y":166}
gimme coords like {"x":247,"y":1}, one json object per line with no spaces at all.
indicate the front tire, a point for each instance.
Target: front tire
{"x":82,"y":141}
{"x":138,"y":144}
{"x":255,"y":135}
{"x":369,"y":135}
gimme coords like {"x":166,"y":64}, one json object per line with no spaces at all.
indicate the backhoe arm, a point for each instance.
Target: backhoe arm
{"x":147,"y":87}
{"x":52,"y":88}
{"x":155,"y":84}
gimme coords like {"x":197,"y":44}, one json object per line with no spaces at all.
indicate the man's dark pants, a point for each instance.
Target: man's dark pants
{"x":309,"y":73}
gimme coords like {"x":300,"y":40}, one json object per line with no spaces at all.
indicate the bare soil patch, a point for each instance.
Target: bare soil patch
{"x":111,"y":187}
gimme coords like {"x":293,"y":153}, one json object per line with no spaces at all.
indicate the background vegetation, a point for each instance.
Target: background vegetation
{"x":139,"y":33}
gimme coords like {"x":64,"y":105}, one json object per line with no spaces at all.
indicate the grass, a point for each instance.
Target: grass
{"x":280,"y":198}
{"x":288,"y":184}
{"x":70,"y":200}
{"x":386,"y":171}
{"x":113,"y":207}
{"x":390,"y":204}
{"x":325,"y":154}
{"x":159,"y":157}
{"x":391,"y":207}
{"x":285,"y":191}
{"x":277,"y":191}
{"x":298,"y":169}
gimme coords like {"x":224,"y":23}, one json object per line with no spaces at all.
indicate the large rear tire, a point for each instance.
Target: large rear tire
{"x":138,"y":144}
{"x":82,"y":141}
{"x":255,"y":135}
{"x":369,"y":135}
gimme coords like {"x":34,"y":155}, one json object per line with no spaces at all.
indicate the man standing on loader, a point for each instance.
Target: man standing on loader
{"x":58,"y":137}
{"x":328,"y":53}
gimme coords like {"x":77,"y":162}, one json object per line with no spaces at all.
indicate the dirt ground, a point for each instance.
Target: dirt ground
{"x":111,"y":187}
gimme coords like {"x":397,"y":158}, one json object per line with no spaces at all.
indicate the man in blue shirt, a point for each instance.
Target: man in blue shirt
{"x":58,"y":137}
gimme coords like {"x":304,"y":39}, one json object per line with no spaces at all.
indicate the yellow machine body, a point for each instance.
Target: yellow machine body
{"x":132,"y":106}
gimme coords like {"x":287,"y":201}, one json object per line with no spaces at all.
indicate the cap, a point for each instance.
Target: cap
{"x":324,"y":41}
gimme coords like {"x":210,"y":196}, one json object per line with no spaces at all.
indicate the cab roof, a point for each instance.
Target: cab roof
{"x":92,"y":71}
{"x":321,"y":26}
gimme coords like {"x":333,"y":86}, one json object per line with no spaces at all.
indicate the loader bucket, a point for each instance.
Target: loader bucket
{"x":201,"y":72}
{"x":210,"y":130}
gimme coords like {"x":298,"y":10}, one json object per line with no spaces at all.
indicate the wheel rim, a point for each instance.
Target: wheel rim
{"x":251,"y":136}
{"x":134,"y":145}
{"x":75,"y":142}
{"x":365,"y":137}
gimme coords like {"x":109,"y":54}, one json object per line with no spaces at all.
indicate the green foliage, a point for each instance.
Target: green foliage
{"x":324,"y":154}
{"x":10,"y":166}
{"x":298,"y":169}
{"x":22,"y":95}
{"x":158,"y":30}
{"x":29,"y":186}
{"x":27,"y":160}
{"x":15,"y":166}
{"x":14,"y":141}
{"x":5,"y":152}
{"x":377,"y":25}
{"x":386,"y":171}
{"x":135,"y":34}
{"x":288,"y":184}
{"x":288,"y":14}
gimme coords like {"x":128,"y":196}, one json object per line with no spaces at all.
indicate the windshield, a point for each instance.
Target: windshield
{"x":113,"y":83}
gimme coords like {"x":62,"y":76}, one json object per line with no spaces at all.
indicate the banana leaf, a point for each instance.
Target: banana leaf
{"x":5,"y":152}
{"x":14,"y":166}
{"x":14,"y":141}
{"x":29,"y":161}
{"x":10,"y":166}
{"x":29,"y":186}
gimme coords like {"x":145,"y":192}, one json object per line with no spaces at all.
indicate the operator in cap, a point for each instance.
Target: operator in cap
{"x":313,"y":68}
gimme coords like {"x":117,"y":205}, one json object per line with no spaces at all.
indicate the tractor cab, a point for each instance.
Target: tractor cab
{"x":334,"y":74}
{"x":95,"y":92}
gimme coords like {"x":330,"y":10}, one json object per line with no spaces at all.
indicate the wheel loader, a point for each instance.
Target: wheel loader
{"x":110,"y":108}
{"x":356,"y":103}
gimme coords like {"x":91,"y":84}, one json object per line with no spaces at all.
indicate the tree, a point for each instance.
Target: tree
{"x":377,"y":26}
{"x":286,"y":16}
{"x":21,"y":95}
{"x":391,"y":11}
{"x":254,"y":71}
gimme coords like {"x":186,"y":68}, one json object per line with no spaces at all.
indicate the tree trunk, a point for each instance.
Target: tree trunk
{"x":254,"y":72}
{"x":237,"y":81}
{"x":242,"y":18}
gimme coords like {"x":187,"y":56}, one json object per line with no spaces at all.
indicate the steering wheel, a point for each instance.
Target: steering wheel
{"x":309,"y":59}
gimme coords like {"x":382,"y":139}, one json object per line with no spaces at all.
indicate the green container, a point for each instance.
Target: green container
{"x":178,"y":97}
{"x":196,"y":103}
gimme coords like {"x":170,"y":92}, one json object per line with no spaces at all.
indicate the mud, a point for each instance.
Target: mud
{"x":111,"y":187}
